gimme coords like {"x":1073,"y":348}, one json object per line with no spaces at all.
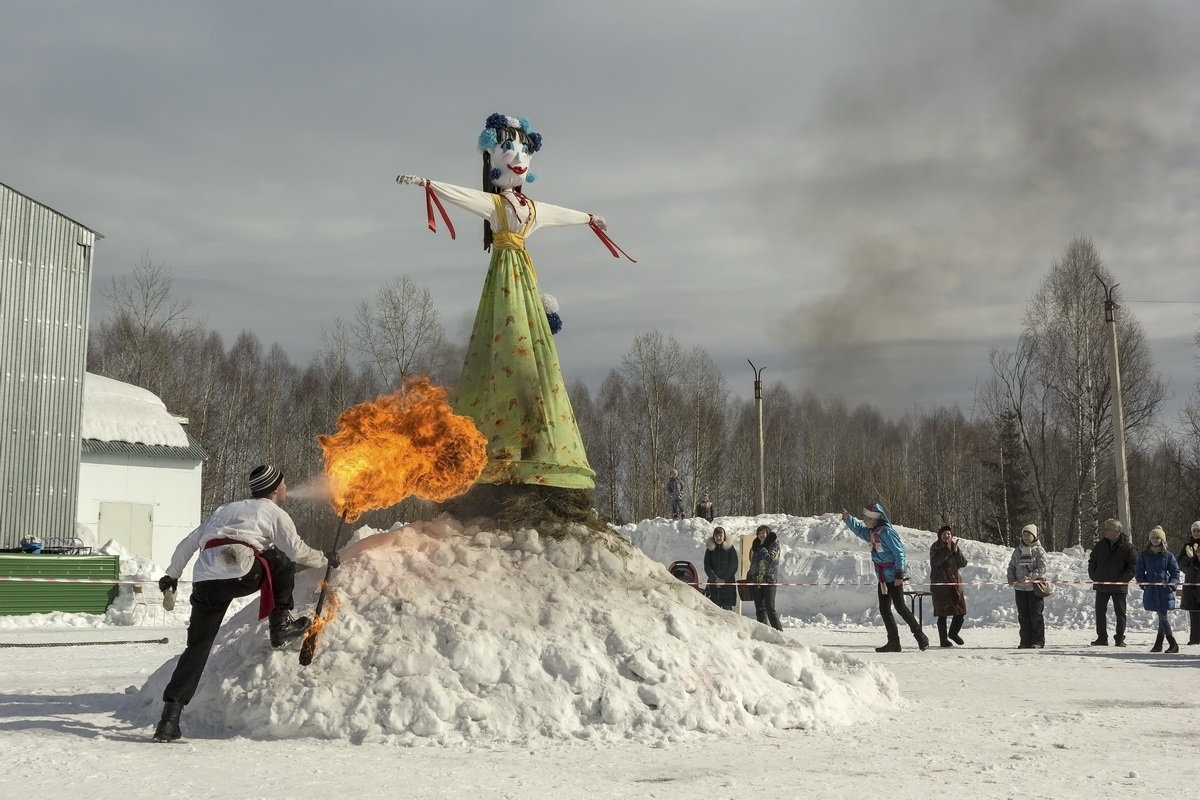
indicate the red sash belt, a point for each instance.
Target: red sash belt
{"x":266,"y":590}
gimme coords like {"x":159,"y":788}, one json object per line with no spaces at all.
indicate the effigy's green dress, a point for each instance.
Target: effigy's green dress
{"x":511,"y":383}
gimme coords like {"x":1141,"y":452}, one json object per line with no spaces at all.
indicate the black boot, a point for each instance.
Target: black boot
{"x":922,"y":639}
{"x":893,"y":646}
{"x":943,"y":639}
{"x":1173,"y":646}
{"x":1157,"y":644}
{"x":168,"y":726}
{"x":956,"y":626}
{"x":284,"y":629}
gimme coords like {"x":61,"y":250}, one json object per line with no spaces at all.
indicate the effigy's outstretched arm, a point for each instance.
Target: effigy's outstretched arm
{"x":477,"y":202}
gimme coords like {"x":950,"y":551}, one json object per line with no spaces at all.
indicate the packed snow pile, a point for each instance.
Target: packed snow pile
{"x":823,"y":551}
{"x":447,"y":635}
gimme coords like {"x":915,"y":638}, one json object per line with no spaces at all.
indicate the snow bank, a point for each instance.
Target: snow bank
{"x":449,"y":635}
{"x":821,"y":550}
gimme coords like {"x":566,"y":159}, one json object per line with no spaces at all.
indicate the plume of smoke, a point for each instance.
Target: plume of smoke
{"x":946,"y":170}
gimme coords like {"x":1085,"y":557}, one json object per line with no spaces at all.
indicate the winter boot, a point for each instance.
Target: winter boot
{"x":922,"y":639}
{"x":943,"y":639}
{"x":893,"y":646}
{"x":284,"y":629}
{"x":168,"y":726}
{"x":956,"y":626}
{"x":1157,"y":644}
{"x":1173,"y":646}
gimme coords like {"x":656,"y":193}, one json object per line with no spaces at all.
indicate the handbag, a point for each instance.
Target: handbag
{"x":746,"y":590}
{"x":1042,"y":588}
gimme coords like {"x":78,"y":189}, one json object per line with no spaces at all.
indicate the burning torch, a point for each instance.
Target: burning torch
{"x":309,"y":648}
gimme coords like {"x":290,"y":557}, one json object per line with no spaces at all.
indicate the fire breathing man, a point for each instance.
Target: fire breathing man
{"x":246,"y":546}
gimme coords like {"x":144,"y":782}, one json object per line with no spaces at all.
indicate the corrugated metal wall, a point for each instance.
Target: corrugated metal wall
{"x":45,"y":280}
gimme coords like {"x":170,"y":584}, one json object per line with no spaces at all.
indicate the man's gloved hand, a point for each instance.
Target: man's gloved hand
{"x":167,"y":584}
{"x":332,"y":557}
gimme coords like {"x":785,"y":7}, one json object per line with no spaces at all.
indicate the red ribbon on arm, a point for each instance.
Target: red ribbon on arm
{"x":431,"y":199}
{"x":609,"y":243}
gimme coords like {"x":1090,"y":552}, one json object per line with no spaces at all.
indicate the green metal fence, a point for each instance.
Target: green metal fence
{"x":34,"y":598}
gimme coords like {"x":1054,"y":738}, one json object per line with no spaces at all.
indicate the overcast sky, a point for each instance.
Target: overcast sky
{"x":845,"y":192}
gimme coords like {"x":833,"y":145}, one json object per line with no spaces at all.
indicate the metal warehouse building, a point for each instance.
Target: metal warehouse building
{"x":46,"y":264}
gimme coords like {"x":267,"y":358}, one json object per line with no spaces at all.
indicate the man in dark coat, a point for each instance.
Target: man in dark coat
{"x":1111,"y":567}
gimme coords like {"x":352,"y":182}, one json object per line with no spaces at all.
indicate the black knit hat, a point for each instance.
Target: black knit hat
{"x":264,"y":480}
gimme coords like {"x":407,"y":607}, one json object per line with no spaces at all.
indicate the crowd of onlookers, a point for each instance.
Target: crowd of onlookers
{"x":1112,"y":565}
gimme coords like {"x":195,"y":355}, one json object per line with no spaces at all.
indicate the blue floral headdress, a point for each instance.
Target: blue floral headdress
{"x":490,"y":137}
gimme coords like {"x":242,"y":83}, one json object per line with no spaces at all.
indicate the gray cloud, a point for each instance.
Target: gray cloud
{"x":777,"y":169}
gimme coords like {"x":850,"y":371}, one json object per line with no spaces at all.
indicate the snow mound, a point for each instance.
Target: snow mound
{"x":453,"y":635}
{"x":114,"y":411}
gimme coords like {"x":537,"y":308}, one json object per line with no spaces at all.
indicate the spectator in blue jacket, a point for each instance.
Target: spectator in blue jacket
{"x":1158,"y":575}
{"x":887,"y":554}
{"x":764,"y":571}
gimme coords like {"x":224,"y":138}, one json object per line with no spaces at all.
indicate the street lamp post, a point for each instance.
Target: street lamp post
{"x":762,"y":485}
{"x":1110,"y":316}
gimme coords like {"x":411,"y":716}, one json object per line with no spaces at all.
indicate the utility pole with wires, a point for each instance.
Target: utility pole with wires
{"x":1110,"y":316}
{"x":762,"y":484}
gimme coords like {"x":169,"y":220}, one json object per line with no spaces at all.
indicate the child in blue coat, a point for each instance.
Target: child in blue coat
{"x":1158,"y":575}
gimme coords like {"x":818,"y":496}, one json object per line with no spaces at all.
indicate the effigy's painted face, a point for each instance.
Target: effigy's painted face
{"x":510,"y":162}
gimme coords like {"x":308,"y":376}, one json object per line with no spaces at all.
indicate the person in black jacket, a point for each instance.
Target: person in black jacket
{"x":1189,"y":565}
{"x":721,"y":570}
{"x":704,"y":509}
{"x":1111,"y":567}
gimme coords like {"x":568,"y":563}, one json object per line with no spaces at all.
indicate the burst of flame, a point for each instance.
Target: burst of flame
{"x":402,"y":444}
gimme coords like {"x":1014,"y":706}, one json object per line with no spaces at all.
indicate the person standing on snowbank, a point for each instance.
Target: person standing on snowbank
{"x":887,"y":554}
{"x":1155,"y":565}
{"x":764,"y":571}
{"x":1189,"y":564}
{"x":945,"y":560}
{"x":1028,"y":564}
{"x":675,"y":493}
{"x":1111,"y":566}
{"x":246,"y":546}
{"x":721,"y":567}
{"x":704,"y":509}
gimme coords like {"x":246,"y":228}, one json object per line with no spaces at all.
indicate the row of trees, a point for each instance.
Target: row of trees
{"x":1038,"y":450}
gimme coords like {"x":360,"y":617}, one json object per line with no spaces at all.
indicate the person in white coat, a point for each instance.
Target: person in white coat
{"x":246,"y":546}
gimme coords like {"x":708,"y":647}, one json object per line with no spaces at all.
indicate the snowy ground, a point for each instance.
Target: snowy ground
{"x":982,"y":721}
{"x":472,"y":663}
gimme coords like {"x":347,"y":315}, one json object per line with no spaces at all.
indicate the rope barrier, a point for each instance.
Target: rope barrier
{"x":106,"y":581}
{"x":1064,"y":581}
{"x":961,"y":584}
{"x":163,"y":640}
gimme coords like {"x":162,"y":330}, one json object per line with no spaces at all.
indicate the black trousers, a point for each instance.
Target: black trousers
{"x":764,"y":606}
{"x":1029,"y":613}
{"x":1193,"y":627}
{"x":892,"y":596}
{"x":1119,"y":604}
{"x":210,"y":601}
